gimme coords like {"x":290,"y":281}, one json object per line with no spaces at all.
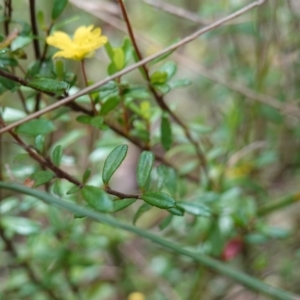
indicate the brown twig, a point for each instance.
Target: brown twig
{"x":7,"y":16}
{"x":36,"y":45}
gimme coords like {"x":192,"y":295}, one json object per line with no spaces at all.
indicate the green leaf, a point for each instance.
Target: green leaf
{"x":162,"y":87}
{"x":98,"y":122}
{"x":84,"y":119}
{"x":159,"y":77}
{"x":58,"y":8}
{"x":86,"y":175}
{"x":20,"y":42}
{"x":113,"y":161}
{"x":170,"y":68}
{"x":119,"y":58}
{"x":109,"y":50}
{"x":177,"y":211}
{"x":196,"y":209}
{"x":39,"y":143}
{"x":159,"y":199}
{"x":20,"y":225}
{"x":9,"y":84}
{"x":97,"y":198}
{"x":73,"y":190}
{"x":36,"y":127}
{"x":109,"y":105}
{"x":49,"y":85}
{"x":42,"y":177}
{"x":127,"y":49}
{"x":142,"y":209}
{"x":57,"y":155}
{"x":8,"y":61}
{"x":165,"y":222}
{"x":121,"y":204}
{"x":166,"y":132}
{"x":144,"y":168}
{"x":179,"y":83}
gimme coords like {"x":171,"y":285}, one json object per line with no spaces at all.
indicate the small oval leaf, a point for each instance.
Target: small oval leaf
{"x":49,"y":85}
{"x":58,"y":7}
{"x":159,"y":199}
{"x":86,"y":175}
{"x":144,"y":168}
{"x":121,"y":204}
{"x":196,"y":209}
{"x":109,"y":105}
{"x":57,"y":155}
{"x":42,"y":177}
{"x":36,"y":127}
{"x":97,"y":198}
{"x":113,"y":161}
{"x":166,"y":132}
{"x":39,"y":143}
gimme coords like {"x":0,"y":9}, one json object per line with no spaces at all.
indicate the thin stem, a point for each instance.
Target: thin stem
{"x":206,"y":261}
{"x":36,"y":45}
{"x":7,"y":15}
{"x":87,"y":84}
{"x":124,"y":109}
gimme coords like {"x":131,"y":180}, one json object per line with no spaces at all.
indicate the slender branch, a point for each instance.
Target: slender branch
{"x":7,"y":15}
{"x":120,"y":195}
{"x":36,"y":45}
{"x":159,"y":98}
{"x":206,"y":261}
{"x":96,"y":85}
{"x":85,"y":79}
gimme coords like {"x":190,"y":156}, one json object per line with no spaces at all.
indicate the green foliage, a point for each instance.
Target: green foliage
{"x":210,"y":134}
{"x":113,"y":161}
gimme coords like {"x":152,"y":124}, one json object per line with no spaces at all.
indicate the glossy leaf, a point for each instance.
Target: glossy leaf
{"x":39,"y":143}
{"x":196,"y":209}
{"x":42,"y":177}
{"x":58,"y":8}
{"x":86,"y":175}
{"x":73,"y":190}
{"x":170,"y":68}
{"x":109,"y":105}
{"x":144,"y":168}
{"x":57,"y":155}
{"x":36,"y":127}
{"x":159,"y":199}
{"x":113,"y":161}
{"x":49,"y":85}
{"x":177,"y":211}
{"x":166,"y":132}
{"x":97,"y":198}
{"x":121,"y":204}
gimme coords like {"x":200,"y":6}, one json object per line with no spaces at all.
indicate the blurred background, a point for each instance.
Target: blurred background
{"x":240,"y":97}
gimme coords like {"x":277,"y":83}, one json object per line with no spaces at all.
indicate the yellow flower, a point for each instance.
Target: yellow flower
{"x":85,"y":41}
{"x":136,"y":296}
